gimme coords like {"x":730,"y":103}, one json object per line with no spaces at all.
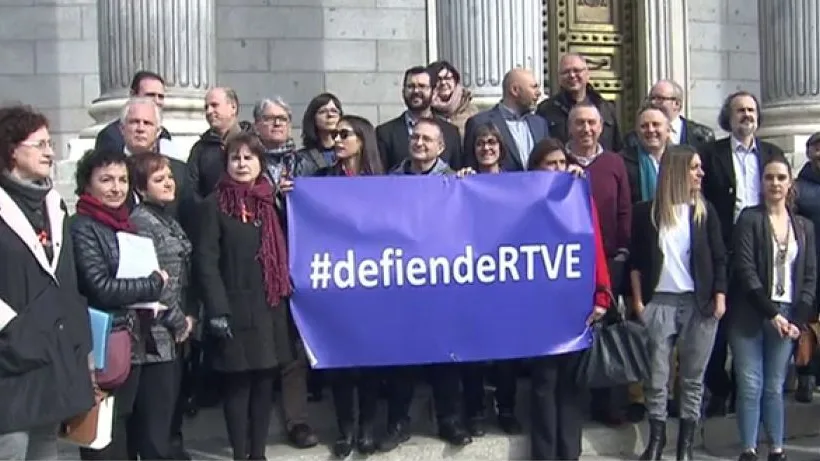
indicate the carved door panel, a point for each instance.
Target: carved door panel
{"x":604,"y":32}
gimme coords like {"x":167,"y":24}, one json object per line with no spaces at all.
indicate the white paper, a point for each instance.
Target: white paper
{"x":105,"y":424}
{"x":6,"y":314}
{"x":138,"y":259}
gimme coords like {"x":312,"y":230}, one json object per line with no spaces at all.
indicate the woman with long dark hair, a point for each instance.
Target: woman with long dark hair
{"x":774,"y":269}
{"x":318,"y":146}
{"x":242,"y":266}
{"x":679,"y":290}
{"x":357,"y":154}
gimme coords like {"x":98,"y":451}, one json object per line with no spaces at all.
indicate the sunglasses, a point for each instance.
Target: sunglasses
{"x":342,"y":134}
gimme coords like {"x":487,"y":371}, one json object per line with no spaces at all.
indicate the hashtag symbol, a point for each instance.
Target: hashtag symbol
{"x":320,"y":271}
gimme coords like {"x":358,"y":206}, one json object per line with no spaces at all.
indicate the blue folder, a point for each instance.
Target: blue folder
{"x":101,"y":324}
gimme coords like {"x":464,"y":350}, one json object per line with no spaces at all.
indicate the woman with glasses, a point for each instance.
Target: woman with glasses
{"x":772,"y":291}
{"x":46,"y":368}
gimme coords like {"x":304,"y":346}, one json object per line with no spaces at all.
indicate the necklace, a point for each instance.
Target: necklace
{"x":780,"y":257}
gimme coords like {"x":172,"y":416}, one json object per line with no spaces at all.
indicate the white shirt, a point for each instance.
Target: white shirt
{"x":675,"y":243}
{"x":791,"y":256}
{"x":747,"y":176}
{"x":676,"y":126}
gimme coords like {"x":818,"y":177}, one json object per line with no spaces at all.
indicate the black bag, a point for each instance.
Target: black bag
{"x":619,"y":355}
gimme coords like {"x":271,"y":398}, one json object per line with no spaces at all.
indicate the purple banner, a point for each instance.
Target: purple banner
{"x":397,"y":270}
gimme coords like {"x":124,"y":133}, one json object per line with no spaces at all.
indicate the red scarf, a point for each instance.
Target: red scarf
{"x":116,"y":218}
{"x":249,"y":203}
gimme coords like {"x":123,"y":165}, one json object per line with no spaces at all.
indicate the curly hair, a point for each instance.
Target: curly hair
{"x":90,"y":161}
{"x":17,"y":122}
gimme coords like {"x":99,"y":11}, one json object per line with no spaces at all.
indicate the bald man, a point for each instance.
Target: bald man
{"x":513,"y":116}
{"x":669,"y":95}
{"x":575,"y":88}
{"x":205,"y":164}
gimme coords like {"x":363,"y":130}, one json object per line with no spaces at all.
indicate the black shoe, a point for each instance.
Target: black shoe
{"x":747,"y":456}
{"x":780,"y":456}
{"x":805,"y":389}
{"x":476,"y":426}
{"x":657,"y":441}
{"x":454,"y":434}
{"x":366,"y":442}
{"x":509,"y":423}
{"x":343,"y":445}
{"x":397,"y":434}
{"x":315,"y":396}
{"x":635,"y":413}
{"x":686,"y":440}
{"x":302,"y":436}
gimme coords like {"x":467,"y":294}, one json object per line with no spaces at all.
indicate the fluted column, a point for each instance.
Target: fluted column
{"x":484,"y":39}
{"x":174,"y":38}
{"x":790,"y":72}
{"x":664,"y":44}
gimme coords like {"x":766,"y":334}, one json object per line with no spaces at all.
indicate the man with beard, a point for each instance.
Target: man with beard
{"x":520,"y":129}
{"x":731,"y":181}
{"x":394,"y":136}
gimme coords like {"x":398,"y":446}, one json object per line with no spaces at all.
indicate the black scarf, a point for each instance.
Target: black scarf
{"x":31,"y":198}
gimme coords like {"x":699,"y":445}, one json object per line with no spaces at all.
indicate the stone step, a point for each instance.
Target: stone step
{"x":206,"y":437}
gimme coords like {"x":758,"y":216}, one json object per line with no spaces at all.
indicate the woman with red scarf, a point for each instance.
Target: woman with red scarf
{"x":241,"y":264}
{"x":102,"y":214}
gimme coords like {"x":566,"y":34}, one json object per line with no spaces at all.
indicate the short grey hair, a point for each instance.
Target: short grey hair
{"x":139,"y":101}
{"x":260,"y":107}
{"x":677,"y":90}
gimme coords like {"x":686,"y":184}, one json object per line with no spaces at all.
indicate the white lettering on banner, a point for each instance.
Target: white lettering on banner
{"x":392,"y":269}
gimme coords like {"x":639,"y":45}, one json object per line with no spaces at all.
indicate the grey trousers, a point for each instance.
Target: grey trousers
{"x":37,"y":444}
{"x":675,"y":319}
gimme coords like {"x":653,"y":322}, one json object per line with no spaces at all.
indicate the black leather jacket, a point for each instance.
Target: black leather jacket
{"x":97,"y":256}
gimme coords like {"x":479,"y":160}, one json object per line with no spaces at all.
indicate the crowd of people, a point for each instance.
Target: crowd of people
{"x":705,"y":241}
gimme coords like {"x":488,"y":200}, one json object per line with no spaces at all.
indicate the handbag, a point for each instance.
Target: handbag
{"x":619,"y":355}
{"x":807,"y":344}
{"x":92,"y":429}
{"x":117,"y":360}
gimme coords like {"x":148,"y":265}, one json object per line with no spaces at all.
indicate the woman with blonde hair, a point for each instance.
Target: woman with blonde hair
{"x":678,"y":278}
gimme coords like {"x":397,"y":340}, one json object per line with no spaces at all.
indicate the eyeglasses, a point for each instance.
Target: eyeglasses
{"x":275,"y":119}
{"x":492,"y":142}
{"x":342,"y":134}
{"x":41,"y":145}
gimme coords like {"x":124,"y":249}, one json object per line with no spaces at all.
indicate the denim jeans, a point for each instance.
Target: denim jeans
{"x":760,"y":364}
{"x":37,"y":444}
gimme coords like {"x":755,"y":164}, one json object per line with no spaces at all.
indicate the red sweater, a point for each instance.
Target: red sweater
{"x":609,"y":186}
{"x":603,"y":287}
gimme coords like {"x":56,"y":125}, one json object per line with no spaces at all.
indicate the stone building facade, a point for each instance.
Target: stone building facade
{"x":66,"y":57}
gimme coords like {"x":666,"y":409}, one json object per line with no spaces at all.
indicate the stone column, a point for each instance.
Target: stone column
{"x":790,"y":73}
{"x":484,"y":39}
{"x":174,"y":38}
{"x":664,"y":42}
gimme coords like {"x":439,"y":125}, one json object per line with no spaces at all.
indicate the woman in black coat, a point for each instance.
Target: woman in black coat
{"x":45,"y":340}
{"x":772,"y":293}
{"x":242,"y":266}
{"x":102,"y":214}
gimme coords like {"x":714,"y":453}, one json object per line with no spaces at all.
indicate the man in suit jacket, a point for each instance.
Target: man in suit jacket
{"x":144,"y":84}
{"x":669,"y":95}
{"x":732,"y":169}
{"x":520,"y":129}
{"x":394,"y":136}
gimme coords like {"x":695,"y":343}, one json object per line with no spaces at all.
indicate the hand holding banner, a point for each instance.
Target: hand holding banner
{"x":401,"y":270}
